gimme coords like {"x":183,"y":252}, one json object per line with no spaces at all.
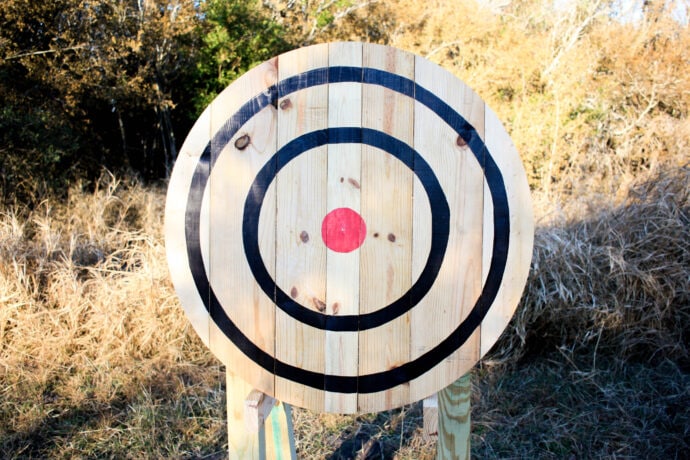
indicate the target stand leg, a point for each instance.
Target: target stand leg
{"x":447,"y":419}
{"x":259,"y":427}
{"x":430,"y":410}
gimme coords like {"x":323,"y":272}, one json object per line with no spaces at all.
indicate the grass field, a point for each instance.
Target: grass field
{"x":97,"y":359}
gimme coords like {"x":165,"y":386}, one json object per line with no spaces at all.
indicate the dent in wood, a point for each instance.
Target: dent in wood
{"x":242,"y":142}
{"x":285,"y":104}
{"x":304,"y":236}
{"x":354,"y":183}
{"x":319,"y":304}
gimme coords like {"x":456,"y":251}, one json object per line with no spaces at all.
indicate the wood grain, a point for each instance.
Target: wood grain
{"x":454,"y":421}
{"x":233,"y":172}
{"x":430,"y":416}
{"x":387,"y":193}
{"x":175,"y":235}
{"x":459,"y":283}
{"x":242,"y":444}
{"x":273,"y":438}
{"x":301,"y":206}
{"x":280,"y":435}
{"x":344,"y":178}
{"x":521,"y":230}
{"x":386,"y":256}
{"x":257,"y":408}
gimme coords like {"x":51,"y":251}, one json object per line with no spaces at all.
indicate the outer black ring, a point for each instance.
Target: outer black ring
{"x":379,"y":381}
{"x":440,"y":213}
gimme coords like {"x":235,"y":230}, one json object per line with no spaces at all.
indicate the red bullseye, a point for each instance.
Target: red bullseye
{"x":343,"y":230}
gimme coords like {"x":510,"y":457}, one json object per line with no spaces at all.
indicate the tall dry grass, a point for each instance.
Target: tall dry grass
{"x":92,"y":335}
{"x":98,"y":360}
{"x":614,"y":281}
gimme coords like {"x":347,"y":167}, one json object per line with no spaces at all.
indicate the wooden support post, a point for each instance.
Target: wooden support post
{"x":454,"y":420}
{"x":259,"y":427}
{"x":280,"y":435}
{"x":257,"y":407}
{"x":241,"y":443}
{"x":430,"y":410}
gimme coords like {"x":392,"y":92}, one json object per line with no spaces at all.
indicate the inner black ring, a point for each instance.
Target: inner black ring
{"x":379,"y":381}
{"x":440,"y":213}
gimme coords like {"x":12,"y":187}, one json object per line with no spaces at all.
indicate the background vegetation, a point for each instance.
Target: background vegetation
{"x":96,"y":357}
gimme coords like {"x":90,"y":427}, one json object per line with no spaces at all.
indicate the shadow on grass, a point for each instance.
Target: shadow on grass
{"x":575,"y":407}
{"x":45,"y":435}
{"x":172,"y":414}
{"x":381,"y":435}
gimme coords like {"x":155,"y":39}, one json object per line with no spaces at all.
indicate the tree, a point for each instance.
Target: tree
{"x":237,"y":35}
{"x":105,"y":73}
{"x":327,"y":20}
{"x":86,"y":85}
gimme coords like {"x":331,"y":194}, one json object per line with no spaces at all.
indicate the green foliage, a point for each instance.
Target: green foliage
{"x":237,"y":35}
{"x":118,"y":83}
{"x":325,"y":18}
{"x":38,"y":152}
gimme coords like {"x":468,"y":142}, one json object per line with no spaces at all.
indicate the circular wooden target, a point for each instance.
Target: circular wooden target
{"x":348,"y":227}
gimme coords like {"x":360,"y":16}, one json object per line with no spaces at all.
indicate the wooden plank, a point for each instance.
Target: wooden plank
{"x":454,"y":422}
{"x":270,"y":436}
{"x":458,"y":284}
{"x":508,"y":160}
{"x":386,"y":256}
{"x":175,"y":225}
{"x":235,"y":167}
{"x":430,"y":417}
{"x":301,"y":206}
{"x":257,"y":408}
{"x":344,"y":178}
{"x":280,"y":435}
{"x":242,"y":444}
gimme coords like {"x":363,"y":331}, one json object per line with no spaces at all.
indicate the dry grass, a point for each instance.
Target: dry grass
{"x":97,"y":359}
{"x":557,"y":408}
{"x":96,"y":356}
{"x":552,"y":408}
{"x":590,"y":103}
{"x":614,"y":280}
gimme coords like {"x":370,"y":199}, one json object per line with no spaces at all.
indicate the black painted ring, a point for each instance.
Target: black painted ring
{"x":440,"y":213}
{"x":379,"y":381}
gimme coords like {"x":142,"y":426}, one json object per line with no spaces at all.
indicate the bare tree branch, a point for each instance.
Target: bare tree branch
{"x":315,"y":30}
{"x":38,"y":53}
{"x":572,"y":36}
{"x":441,"y":47}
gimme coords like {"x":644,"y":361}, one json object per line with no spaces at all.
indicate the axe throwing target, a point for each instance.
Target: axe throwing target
{"x":348,"y":227}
